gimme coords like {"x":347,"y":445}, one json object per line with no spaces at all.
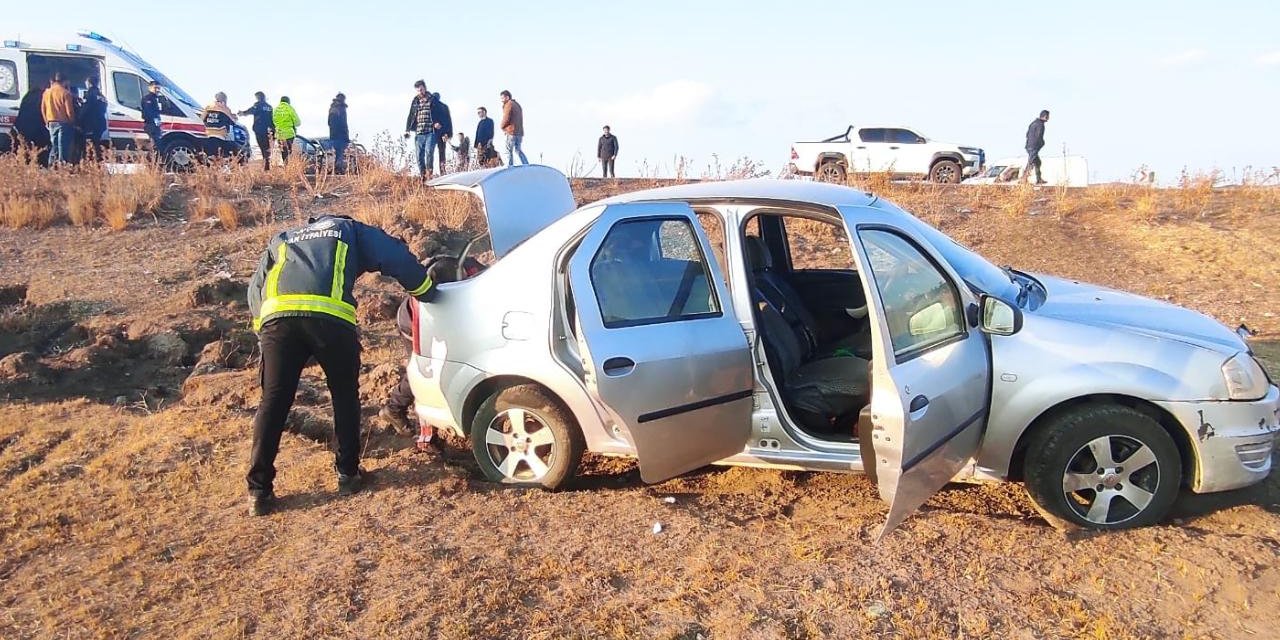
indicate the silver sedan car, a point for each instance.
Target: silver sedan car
{"x":798,"y":325}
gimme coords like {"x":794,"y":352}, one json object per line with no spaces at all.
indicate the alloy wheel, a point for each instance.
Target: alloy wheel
{"x":520,"y":445}
{"x":1111,"y":479}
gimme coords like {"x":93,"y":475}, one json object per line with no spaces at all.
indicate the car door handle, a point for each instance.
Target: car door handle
{"x":893,"y":147}
{"x":859,"y":147}
{"x":118,"y":113}
{"x":919,"y":403}
{"x":619,"y":366}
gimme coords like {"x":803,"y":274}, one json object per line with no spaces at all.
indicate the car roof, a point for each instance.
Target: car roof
{"x":754,"y":190}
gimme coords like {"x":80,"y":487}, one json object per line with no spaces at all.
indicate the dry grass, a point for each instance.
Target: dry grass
{"x":127,"y":520}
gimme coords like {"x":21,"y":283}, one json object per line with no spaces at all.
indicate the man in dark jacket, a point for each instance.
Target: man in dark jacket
{"x":1035,"y":142}
{"x":422,"y":124}
{"x":263,"y":126}
{"x":30,"y":127}
{"x":445,"y":132}
{"x":303,"y":305}
{"x":339,"y":136}
{"x":93,"y":121}
{"x":153,"y":105}
{"x":607,"y":151}
{"x":485,"y":153}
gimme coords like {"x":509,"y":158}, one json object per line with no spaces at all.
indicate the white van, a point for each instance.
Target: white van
{"x":1058,"y":171}
{"x":27,"y":64}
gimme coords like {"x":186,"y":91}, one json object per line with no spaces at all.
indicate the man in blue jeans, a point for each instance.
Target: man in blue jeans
{"x":423,"y":127}
{"x":513,"y":126}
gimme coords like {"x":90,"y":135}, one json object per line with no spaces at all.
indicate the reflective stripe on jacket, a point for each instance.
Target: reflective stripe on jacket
{"x":312,"y":271}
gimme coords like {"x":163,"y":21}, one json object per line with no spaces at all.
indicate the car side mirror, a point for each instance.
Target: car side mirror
{"x":1000,"y":317}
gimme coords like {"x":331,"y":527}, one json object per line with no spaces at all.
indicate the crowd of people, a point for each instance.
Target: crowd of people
{"x":62,"y":127}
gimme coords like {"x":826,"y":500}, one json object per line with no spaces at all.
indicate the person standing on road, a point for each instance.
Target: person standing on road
{"x":485,"y":153}
{"x":153,"y":105}
{"x":287,"y":122}
{"x":513,"y":126}
{"x":303,"y":305}
{"x":607,"y":151}
{"x":1035,"y":142}
{"x":422,"y":125}
{"x":58,"y":107}
{"x":440,"y":113}
{"x":263,"y":127}
{"x":339,"y":135}
{"x":93,"y":121}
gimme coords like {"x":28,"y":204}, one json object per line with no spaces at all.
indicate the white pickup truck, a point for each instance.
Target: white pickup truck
{"x":896,"y":150}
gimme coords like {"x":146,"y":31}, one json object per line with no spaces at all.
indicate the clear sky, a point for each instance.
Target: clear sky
{"x":1168,"y":84}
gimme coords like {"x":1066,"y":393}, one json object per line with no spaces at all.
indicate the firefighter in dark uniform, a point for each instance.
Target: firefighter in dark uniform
{"x":303,"y":307}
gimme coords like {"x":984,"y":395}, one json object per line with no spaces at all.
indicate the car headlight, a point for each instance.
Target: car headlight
{"x":1244,"y":377}
{"x":972,"y":151}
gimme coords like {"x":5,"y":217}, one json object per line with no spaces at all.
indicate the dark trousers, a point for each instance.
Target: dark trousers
{"x":1033,"y":160}
{"x":285,"y":147}
{"x":401,"y":397}
{"x":607,"y":165}
{"x":287,"y":344}
{"x":441,"y":143}
{"x":264,"y":145}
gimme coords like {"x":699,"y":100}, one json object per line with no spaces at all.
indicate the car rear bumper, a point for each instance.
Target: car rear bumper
{"x":1233,"y":441}
{"x":440,"y":388}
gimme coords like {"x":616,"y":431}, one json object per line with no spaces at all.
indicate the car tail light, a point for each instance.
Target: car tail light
{"x":794,"y":155}
{"x":417,"y":330}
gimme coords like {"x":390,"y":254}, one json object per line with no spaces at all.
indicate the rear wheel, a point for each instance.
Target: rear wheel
{"x":945,"y":171}
{"x":521,"y":436}
{"x":1103,"y":467}
{"x":830,"y":171}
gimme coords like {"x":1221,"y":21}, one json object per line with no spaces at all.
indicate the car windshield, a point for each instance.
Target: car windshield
{"x":151,"y":72}
{"x":172,"y":88}
{"x":977,"y":272}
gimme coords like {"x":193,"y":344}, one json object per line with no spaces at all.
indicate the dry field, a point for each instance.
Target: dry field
{"x":127,"y":383}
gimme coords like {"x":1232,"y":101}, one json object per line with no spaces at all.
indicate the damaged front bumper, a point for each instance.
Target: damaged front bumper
{"x":1232,"y":441}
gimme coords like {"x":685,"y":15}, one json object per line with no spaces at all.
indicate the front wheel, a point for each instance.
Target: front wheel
{"x":179,"y":154}
{"x":1103,"y":467}
{"x":521,"y":436}
{"x":945,"y":172}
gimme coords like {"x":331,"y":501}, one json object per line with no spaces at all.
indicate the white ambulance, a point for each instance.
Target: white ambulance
{"x":27,"y":64}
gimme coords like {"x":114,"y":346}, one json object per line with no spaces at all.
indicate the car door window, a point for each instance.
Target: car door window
{"x":902,"y":136}
{"x":128,"y":89}
{"x":872,"y":135}
{"x":921,"y":306}
{"x":817,"y":245}
{"x":652,"y":271}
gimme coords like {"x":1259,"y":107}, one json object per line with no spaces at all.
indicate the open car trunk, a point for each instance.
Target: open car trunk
{"x":518,"y":202}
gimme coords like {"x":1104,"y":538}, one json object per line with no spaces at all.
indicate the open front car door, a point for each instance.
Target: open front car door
{"x":662,"y":351}
{"x":930,"y":371}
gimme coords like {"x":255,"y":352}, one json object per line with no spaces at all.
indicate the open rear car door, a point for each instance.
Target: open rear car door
{"x":662,"y":351}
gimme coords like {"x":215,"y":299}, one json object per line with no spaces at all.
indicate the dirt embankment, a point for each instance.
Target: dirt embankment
{"x":128,"y":377}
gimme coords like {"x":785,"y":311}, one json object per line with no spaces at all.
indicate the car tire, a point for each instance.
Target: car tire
{"x":945,"y":172}
{"x":180,"y":153}
{"x":547,"y":447}
{"x":831,"y":171}
{"x":1067,"y":483}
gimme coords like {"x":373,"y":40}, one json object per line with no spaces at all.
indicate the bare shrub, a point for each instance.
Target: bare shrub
{"x":26,"y":211}
{"x":228,"y":215}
